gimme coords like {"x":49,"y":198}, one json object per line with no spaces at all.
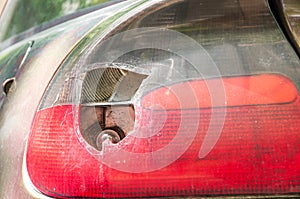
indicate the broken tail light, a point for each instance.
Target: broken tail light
{"x":152,"y":113}
{"x":257,"y":150}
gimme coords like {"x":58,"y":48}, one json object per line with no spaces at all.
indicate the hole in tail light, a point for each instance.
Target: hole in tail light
{"x":153,"y":112}
{"x":257,"y":151}
{"x":108,"y":93}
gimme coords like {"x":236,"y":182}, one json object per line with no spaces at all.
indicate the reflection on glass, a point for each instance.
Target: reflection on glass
{"x":25,"y":14}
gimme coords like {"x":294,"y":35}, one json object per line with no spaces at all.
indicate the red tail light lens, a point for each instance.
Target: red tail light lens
{"x":247,"y":90}
{"x":258,"y":150}
{"x":202,"y":109}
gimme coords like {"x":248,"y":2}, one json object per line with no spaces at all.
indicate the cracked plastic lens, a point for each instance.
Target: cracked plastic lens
{"x":205,"y":103}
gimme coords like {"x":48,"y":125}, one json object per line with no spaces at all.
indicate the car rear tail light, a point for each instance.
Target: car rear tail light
{"x":151,"y":112}
{"x":257,"y":151}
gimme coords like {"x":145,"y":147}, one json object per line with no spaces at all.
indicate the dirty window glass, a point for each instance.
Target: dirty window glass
{"x":21,"y":15}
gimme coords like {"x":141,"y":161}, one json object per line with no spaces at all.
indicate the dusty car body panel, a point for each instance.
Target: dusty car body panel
{"x":45,"y":62}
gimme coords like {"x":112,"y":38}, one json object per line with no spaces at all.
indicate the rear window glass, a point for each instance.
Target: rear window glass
{"x":22,"y":15}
